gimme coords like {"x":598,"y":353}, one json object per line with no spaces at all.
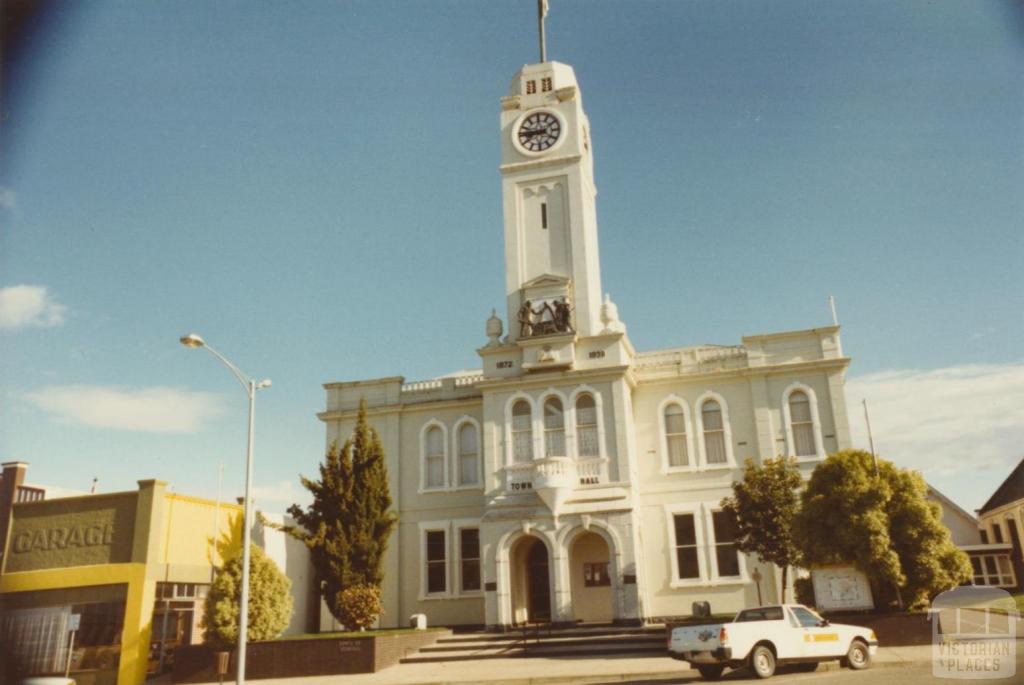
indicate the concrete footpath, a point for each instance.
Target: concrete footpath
{"x":541,"y":671}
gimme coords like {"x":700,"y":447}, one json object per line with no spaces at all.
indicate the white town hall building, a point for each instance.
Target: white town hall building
{"x":573,"y":478}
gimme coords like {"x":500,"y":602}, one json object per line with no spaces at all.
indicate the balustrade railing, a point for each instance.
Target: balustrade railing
{"x":556,"y":472}
{"x":592,"y":471}
{"x":27,"y":493}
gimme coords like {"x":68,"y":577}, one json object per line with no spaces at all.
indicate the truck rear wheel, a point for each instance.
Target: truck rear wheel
{"x":762,"y":661}
{"x":710,"y":671}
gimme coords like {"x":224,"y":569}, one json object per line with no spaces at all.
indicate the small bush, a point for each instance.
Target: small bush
{"x":359,"y":606}
{"x":804,"y":591}
{"x":270,"y":602}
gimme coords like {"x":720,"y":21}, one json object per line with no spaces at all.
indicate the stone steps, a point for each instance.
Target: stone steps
{"x":567,"y":642}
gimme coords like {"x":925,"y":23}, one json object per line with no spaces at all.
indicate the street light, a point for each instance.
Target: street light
{"x":250,"y":386}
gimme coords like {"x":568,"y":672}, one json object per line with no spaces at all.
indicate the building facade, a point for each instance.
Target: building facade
{"x":134,"y":567}
{"x":999,"y":559}
{"x":573,"y":478}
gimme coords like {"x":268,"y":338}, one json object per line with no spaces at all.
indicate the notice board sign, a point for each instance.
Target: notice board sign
{"x":841,"y":588}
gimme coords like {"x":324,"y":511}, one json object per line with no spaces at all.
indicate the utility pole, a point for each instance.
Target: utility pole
{"x":871,"y":440}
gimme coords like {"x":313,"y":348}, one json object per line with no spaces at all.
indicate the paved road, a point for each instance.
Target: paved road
{"x":887,"y":674}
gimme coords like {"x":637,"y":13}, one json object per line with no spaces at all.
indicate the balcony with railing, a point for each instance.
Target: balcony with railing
{"x":555,"y":479}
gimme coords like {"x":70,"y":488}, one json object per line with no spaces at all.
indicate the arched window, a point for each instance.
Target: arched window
{"x":469,"y":455}
{"x":587,"y":440}
{"x":802,"y":424}
{"x":434,"y":458}
{"x":675,"y":435}
{"x":714,"y":432}
{"x":554,"y":428}
{"x":522,"y":432}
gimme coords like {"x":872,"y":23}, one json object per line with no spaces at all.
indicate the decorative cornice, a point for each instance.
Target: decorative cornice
{"x":670,"y":373}
{"x":401,"y":407}
{"x":539,"y":163}
{"x":541,"y":379}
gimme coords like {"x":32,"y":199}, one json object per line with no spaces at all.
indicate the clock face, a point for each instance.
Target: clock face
{"x":539,"y":131}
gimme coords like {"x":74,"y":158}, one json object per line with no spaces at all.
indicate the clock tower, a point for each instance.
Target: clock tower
{"x":552,"y":271}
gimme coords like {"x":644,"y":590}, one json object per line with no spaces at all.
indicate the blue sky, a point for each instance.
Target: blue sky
{"x":314,"y":189}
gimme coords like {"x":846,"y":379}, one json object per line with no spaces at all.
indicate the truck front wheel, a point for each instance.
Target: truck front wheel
{"x":762,"y":661}
{"x":858,"y":657}
{"x":710,"y":671}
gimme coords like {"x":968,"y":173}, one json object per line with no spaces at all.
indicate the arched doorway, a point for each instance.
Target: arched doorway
{"x":531,"y":580}
{"x":590,"y":573}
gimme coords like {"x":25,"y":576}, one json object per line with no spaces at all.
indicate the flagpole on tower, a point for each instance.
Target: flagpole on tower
{"x":542,"y":11}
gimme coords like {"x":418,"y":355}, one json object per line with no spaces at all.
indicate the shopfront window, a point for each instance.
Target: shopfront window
{"x":37,"y":640}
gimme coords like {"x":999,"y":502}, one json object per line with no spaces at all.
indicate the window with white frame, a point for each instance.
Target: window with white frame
{"x":522,"y":432}
{"x":554,"y":428}
{"x":993,"y":569}
{"x":703,"y":539}
{"x":587,"y":440}
{"x":687,"y":549}
{"x":714,"y":433}
{"x":675,"y":435}
{"x":997,"y":532}
{"x":468,"y":439}
{"x":436,"y":562}
{"x":433,"y":459}
{"x":724,"y":534}
{"x":801,"y":424}
{"x":469,"y":559}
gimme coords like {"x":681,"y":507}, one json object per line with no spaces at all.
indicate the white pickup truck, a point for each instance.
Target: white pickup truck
{"x":763,"y":637}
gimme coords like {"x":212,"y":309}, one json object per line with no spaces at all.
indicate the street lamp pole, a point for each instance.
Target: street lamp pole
{"x":250,"y":386}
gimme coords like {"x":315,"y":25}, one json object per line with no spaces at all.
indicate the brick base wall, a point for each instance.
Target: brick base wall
{"x":295,"y":658}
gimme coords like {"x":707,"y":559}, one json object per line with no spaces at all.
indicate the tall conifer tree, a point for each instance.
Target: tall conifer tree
{"x":347,"y":526}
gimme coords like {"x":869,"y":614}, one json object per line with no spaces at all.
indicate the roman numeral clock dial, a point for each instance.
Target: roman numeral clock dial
{"x":539,"y":131}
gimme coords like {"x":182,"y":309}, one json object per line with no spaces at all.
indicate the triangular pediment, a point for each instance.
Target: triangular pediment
{"x":546,"y":280}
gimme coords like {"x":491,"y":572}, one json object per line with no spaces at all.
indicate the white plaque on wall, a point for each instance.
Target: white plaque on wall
{"x":841,"y":587}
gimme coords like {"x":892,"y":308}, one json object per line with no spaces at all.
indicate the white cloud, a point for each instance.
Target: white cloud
{"x":28,"y":305}
{"x":8,"y":198}
{"x":948,"y":423}
{"x":153,"y":410}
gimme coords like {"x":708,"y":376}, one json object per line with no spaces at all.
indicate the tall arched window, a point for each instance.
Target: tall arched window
{"x":554,"y":428}
{"x":434,"y":459}
{"x":522,"y":432}
{"x":675,"y":435}
{"x":802,"y":424}
{"x":587,"y":440}
{"x":469,"y":455}
{"x":714,"y":432}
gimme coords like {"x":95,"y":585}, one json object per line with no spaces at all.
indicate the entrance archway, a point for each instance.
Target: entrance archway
{"x":531,"y":580}
{"x":590,"y":574}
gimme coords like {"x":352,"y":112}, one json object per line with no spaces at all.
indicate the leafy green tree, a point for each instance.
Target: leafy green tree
{"x":347,"y":527}
{"x":882,"y":523}
{"x":929,"y":559}
{"x":765,"y":504}
{"x":270,"y":602}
